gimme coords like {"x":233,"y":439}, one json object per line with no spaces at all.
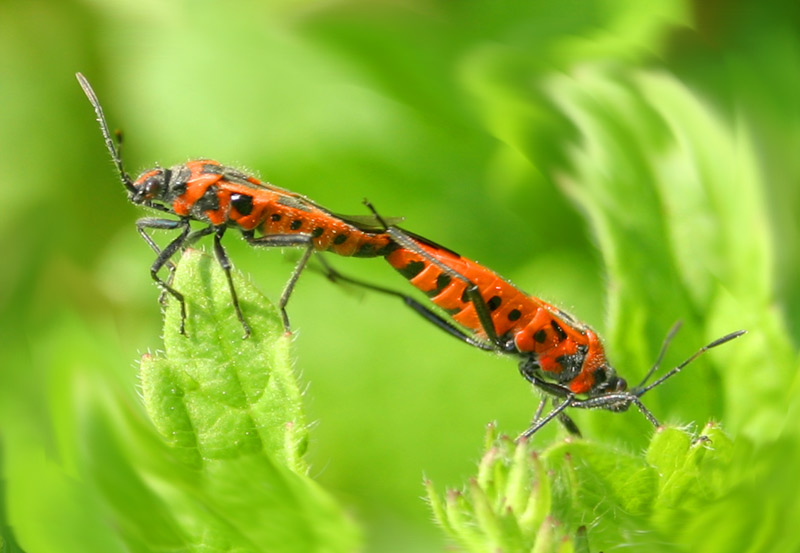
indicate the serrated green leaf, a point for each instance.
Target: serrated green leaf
{"x":597,"y":474}
{"x":229,"y":410}
{"x":643,"y":500}
{"x":667,"y":450}
{"x":238,"y":396}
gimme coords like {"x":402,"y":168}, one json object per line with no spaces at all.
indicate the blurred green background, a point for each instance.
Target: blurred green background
{"x":492,"y":127}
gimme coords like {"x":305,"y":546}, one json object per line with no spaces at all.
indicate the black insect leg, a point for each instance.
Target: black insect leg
{"x":569,"y":424}
{"x":472,"y":290}
{"x":151,"y":222}
{"x":289,"y":288}
{"x":198,"y":234}
{"x":557,"y":411}
{"x":164,"y":256}
{"x":551,"y":390}
{"x":191,"y":239}
{"x":539,"y":410}
{"x":616,"y":401}
{"x":225,"y":263}
{"x":429,"y":315}
{"x":285,"y":241}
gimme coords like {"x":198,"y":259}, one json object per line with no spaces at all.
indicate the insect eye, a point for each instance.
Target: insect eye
{"x":151,"y":187}
{"x":148,"y":189}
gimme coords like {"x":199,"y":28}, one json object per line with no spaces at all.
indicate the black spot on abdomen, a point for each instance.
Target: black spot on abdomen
{"x":412,"y":269}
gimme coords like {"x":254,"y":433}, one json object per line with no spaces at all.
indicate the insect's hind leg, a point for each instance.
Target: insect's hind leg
{"x":431,"y":316}
{"x":473,"y":292}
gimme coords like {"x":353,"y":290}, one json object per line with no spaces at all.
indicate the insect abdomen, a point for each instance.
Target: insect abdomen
{"x":509,"y":308}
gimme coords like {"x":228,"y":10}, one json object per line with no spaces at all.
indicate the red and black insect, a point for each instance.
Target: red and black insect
{"x":221,"y":198}
{"x":557,"y":353}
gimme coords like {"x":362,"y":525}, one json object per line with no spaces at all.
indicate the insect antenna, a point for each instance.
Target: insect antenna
{"x":116,"y":155}
{"x":664,"y":346}
{"x":641,"y":389}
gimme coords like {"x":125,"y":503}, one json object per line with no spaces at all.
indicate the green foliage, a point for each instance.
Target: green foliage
{"x":633,"y":162}
{"x":229,"y":409}
{"x":218,"y":467}
{"x":522,"y":500}
{"x":214,"y":395}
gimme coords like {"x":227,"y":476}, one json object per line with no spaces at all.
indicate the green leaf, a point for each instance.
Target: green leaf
{"x":506,"y":507}
{"x":214,"y":394}
{"x":636,"y":499}
{"x":675,"y":198}
{"x":229,"y":411}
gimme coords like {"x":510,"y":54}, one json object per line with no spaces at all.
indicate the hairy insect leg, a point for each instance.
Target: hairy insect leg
{"x":473,"y":293}
{"x":285,"y":241}
{"x":616,"y":401}
{"x":554,"y":413}
{"x":553,"y":391}
{"x":289,"y":288}
{"x":171,"y":267}
{"x":164,"y":256}
{"x":428,"y":314}
{"x":225,"y":263}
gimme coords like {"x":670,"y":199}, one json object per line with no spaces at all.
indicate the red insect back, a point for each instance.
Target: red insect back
{"x":199,"y":200}
{"x":552,"y":343}
{"x":210,"y":192}
{"x":509,"y":307}
{"x":566,"y":350}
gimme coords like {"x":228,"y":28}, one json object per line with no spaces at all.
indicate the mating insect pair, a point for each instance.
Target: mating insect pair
{"x":556,"y":353}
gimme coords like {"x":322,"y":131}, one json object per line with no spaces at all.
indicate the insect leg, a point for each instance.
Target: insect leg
{"x":539,"y":410}
{"x":191,"y":239}
{"x":431,"y":316}
{"x":225,"y":263}
{"x":285,"y":241}
{"x":289,"y":288}
{"x":472,"y":290}
{"x":164,"y":256}
{"x":616,"y":402}
{"x":555,"y":412}
{"x":569,"y":424}
{"x":196,"y":235}
{"x":554,"y":390}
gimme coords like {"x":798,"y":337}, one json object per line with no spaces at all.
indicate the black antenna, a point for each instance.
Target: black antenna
{"x":116,"y":156}
{"x":640,"y":390}
{"x":664,"y":346}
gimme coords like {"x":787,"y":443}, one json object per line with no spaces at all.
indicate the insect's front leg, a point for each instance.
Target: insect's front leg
{"x":149,"y":222}
{"x":557,"y":411}
{"x":552,"y":390}
{"x":164,"y":256}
